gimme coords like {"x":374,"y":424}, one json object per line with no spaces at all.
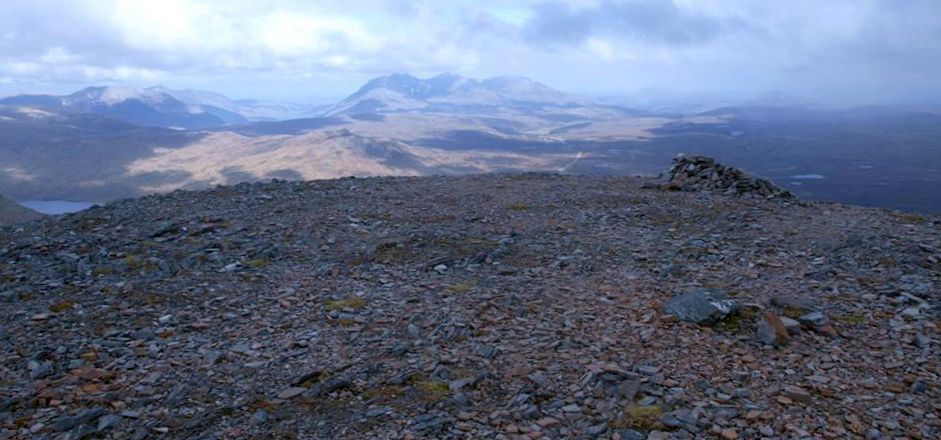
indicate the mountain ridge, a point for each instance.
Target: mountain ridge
{"x":144,"y":107}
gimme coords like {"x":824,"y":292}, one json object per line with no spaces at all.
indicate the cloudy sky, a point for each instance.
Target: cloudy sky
{"x":862,"y":50}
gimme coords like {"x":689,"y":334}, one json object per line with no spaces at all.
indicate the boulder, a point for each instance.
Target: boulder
{"x":704,"y":306}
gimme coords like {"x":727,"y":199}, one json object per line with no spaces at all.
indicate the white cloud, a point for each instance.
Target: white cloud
{"x":579,"y":45}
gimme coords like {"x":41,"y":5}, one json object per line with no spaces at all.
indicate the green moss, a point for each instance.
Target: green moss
{"x":312,"y":379}
{"x":352,"y":302}
{"x":462,"y":287}
{"x":61,"y":306}
{"x":258,"y":263}
{"x":910,"y":218}
{"x":385,"y":216}
{"x":643,"y":417}
{"x":852,"y":319}
{"x":432,"y":390}
{"x":101,"y":271}
{"x":731,"y":323}
{"x":132,"y":262}
{"x":387,"y":392}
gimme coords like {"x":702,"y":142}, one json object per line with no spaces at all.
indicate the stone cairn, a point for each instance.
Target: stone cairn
{"x":701,"y":173}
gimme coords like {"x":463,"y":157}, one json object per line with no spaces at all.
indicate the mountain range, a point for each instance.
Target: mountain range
{"x":103,"y":143}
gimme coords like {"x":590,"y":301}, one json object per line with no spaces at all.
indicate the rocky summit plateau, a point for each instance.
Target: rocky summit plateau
{"x":503,"y":306}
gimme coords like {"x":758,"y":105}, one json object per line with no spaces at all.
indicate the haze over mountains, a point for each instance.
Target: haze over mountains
{"x":102,"y":143}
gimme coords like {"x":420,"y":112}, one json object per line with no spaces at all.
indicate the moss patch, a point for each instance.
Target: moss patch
{"x":643,"y":417}
{"x":851,"y":319}
{"x":258,"y":263}
{"x":461,"y":287}
{"x":383,"y":393}
{"x":61,"y":306}
{"x":910,"y":218}
{"x":351,"y":302}
{"x":432,"y":390}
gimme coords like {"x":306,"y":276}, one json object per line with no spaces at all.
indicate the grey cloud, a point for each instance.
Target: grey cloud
{"x":659,"y":21}
{"x":847,"y":47}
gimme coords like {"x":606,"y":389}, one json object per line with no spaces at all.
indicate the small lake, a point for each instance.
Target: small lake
{"x":56,"y":207}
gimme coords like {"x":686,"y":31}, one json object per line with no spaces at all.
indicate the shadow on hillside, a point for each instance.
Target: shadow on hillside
{"x":458,"y":140}
{"x":81,"y":159}
{"x":289,"y":127}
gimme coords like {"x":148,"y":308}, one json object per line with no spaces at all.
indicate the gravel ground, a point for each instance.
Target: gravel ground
{"x":498,"y":306}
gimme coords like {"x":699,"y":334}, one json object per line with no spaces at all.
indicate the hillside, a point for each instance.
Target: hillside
{"x":490,"y":306}
{"x":401,"y":125}
{"x":12,"y":213}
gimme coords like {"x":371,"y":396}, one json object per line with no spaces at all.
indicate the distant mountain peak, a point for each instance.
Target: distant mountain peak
{"x":108,"y":95}
{"x":403,"y":91}
{"x":411,"y":86}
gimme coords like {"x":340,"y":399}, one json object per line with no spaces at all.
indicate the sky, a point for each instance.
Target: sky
{"x":293,"y":50}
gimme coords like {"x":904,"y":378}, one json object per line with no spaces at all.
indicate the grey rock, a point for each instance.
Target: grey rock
{"x":630,"y":434}
{"x":291,"y":392}
{"x":428,"y":422}
{"x":143,"y":335}
{"x":65,"y":423}
{"x":814,"y":319}
{"x":911,"y":312}
{"x":704,"y":306}
{"x":108,"y":422}
{"x":378,"y":411}
{"x":41,"y":371}
{"x":260,"y":417}
{"x":793,"y":326}
{"x":81,"y":432}
{"x":596,"y":430}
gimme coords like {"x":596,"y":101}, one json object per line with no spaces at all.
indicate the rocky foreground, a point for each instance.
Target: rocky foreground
{"x":500,"y":306}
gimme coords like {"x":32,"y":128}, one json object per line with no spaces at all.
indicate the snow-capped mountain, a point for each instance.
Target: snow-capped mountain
{"x":451,"y":93}
{"x":147,"y":107}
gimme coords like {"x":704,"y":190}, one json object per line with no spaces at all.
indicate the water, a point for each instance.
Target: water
{"x":56,"y":207}
{"x":809,"y":177}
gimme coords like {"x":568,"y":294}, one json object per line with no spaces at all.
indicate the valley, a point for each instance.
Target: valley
{"x":74,"y":148}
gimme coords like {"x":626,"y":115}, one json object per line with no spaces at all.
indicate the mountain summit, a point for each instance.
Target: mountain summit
{"x":469,"y":307}
{"x":404,"y":92}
